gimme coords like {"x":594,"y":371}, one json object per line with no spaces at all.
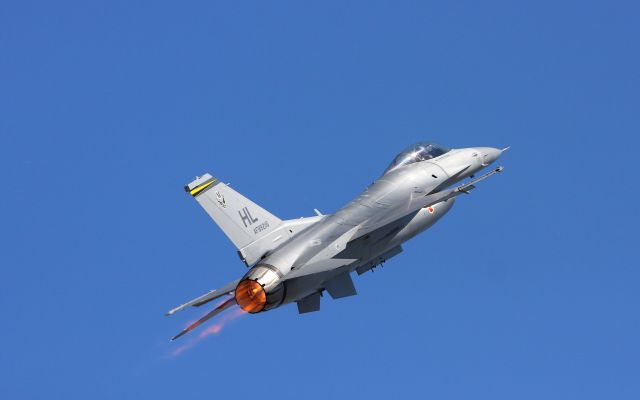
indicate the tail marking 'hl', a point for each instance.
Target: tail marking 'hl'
{"x":246,"y":217}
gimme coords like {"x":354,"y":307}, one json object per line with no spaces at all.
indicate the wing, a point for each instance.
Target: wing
{"x":205,"y":298}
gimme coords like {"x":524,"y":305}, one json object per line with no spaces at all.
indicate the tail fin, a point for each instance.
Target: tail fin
{"x":242,"y":220}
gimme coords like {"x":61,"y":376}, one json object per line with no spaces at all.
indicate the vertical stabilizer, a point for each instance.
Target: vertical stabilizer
{"x":242,"y":220}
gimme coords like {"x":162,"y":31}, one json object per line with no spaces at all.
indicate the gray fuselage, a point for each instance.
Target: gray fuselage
{"x":373,"y":224}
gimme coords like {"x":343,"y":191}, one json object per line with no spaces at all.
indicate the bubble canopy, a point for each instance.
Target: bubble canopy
{"x":417,"y":152}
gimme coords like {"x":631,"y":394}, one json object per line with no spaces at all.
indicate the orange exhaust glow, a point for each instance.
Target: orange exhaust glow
{"x":250,"y":296}
{"x":211,"y":330}
{"x":217,"y":327}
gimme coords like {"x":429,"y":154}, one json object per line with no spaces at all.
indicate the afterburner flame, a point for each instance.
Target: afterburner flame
{"x":217,"y":327}
{"x":250,"y":296}
{"x":211,"y":330}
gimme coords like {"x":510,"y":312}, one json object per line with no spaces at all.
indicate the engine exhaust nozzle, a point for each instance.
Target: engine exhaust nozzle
{"x":250,"y":296}
{"x":261,"y":289}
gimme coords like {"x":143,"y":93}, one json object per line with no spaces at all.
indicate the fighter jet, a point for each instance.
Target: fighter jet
{"x":297,"y":260}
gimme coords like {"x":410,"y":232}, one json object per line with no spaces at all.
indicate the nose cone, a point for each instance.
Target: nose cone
{"x":488,"y":155}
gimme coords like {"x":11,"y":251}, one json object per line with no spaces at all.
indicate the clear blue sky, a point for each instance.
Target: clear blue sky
{"x":528,"y":289}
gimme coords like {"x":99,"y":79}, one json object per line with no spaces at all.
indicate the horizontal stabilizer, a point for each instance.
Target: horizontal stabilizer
{"x":205,"y":298}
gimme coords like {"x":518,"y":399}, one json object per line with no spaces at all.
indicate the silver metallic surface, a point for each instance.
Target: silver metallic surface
{"x":299,"y":259}
{"x":271,"y":281}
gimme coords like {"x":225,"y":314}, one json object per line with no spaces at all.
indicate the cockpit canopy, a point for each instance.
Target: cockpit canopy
{"x":420,"y":151}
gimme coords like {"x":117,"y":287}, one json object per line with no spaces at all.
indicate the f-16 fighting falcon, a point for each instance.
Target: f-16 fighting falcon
{"x":297,"y":260}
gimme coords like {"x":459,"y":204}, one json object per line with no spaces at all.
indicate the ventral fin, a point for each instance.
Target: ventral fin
{"x":340,"y":286}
